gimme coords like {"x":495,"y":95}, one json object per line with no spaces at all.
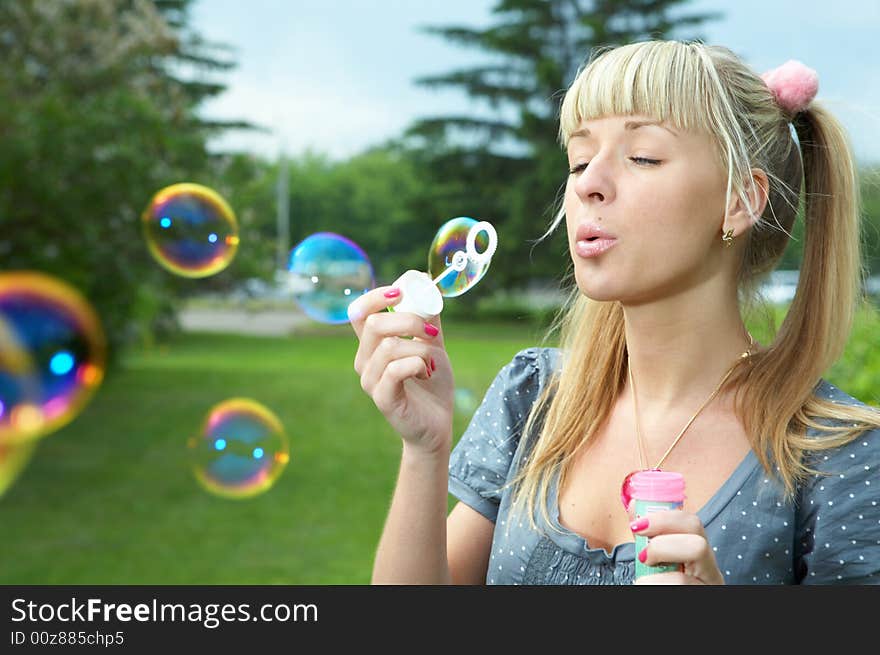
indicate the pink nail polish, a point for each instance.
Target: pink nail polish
{"x":433,"y":365}
{"x":392,"y":293}
{"x":430,"y":330}
{"x":643,"y":555}
{"x":641,"y":524}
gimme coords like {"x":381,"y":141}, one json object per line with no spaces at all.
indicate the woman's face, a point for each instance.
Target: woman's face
{"x":659,"y":192}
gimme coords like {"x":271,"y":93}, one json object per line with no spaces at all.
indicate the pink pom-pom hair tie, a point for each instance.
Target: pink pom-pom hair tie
{"x":793,"y":85}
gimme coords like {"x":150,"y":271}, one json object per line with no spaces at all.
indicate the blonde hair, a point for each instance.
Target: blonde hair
{"x":708,"y":89}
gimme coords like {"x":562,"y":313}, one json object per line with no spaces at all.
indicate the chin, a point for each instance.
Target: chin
{"x":599,"y":297}
{"x":594,"y":289}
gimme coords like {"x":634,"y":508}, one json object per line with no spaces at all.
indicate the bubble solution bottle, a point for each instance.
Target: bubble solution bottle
{"x":654,"y":491}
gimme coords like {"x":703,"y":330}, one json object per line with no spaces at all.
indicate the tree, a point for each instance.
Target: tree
{"x":97,"y":116}
{"x":508,"y":167}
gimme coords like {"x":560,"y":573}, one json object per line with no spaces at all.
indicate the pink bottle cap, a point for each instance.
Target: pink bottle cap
{"x":664,"y":486}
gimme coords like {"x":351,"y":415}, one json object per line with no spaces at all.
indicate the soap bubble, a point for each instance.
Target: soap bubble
{"x":452,"y":237}
{"x":190,"y":230}
{"x":13,"y":460}
{"x":19,"y":388}
{"x":241,"y":451}
{"x":52,"y":355}
{"x":327,"y":272}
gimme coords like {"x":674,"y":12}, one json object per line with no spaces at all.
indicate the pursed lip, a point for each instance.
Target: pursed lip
{"x":587,"y":231}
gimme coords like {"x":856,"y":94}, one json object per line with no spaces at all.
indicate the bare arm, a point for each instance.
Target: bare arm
{"x":411,"y":382}
{"x":469,"y":540}
{"x":412,"y":549}
{"x":418,"y":546}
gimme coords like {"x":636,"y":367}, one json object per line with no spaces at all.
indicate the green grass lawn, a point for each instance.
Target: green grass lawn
{"x":110,"y":499}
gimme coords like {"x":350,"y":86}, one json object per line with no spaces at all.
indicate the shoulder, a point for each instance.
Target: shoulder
{"x":519,"y":382}
{"x":855,"y":461}
{"x":536,"y":364}
{"x":828,"y":391}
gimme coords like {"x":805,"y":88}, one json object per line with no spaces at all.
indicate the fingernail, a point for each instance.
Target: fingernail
{"x":641,"y":524}
{"x":433,"y":365}
{"x":643,"y":555}
{"x":393,"y":292}
{"x":431,"y":330}
{"x":428,"y":370}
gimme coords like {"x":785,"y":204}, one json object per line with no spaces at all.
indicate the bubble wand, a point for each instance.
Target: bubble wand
{"x":420,"y":293}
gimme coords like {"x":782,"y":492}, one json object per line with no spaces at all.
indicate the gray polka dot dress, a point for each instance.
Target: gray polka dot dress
{"x":829,"y":535}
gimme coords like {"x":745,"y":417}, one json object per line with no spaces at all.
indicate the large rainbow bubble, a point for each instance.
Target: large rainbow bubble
{"x":241,"y":451}
{"x":19,"y":388}
{"x":327,"y":272}
{"x":452,"y":237}
{"x":190,"y":230}
{"x":52,"y":355}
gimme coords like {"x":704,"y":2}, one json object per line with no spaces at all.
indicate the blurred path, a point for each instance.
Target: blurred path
{"x":269,"y":322}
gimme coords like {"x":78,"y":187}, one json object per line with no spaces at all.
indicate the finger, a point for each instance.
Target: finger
{"x":375,"y":300}
{"x":690,"y":551}
{"x":432,"y":329}
{"x":389,"y":350}
{"x":676,"y":549}
{"x":673,"y":521}
{"x":389,"y":389}
{"x":438,"y":338}
{"x":377,"y":327}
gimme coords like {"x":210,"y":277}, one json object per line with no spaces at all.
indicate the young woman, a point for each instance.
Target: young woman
{"x":684,"y":183}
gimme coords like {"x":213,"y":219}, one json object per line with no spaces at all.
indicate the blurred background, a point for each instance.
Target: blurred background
{"x":379,"y":121}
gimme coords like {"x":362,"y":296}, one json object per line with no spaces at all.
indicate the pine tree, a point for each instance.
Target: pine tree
{"x":508,"y":167}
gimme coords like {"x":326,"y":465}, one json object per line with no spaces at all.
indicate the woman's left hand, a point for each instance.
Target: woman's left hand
{"x":677,"y":537}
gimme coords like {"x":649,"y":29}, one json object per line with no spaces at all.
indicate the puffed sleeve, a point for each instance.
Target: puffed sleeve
{"x":838,"y":540}
{"x":480,"y":462}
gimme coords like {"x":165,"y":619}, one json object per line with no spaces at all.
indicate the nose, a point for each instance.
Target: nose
{"x":595,"y":183}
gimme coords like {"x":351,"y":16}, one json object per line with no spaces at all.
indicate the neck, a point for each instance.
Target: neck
{"x":680,"y":349}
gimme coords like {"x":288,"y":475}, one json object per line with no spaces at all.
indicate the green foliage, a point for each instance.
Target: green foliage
{"x":94,"y":121}
{"x":367,"y":198}
{"x":507,"y":167}
{"x":858,"y":371}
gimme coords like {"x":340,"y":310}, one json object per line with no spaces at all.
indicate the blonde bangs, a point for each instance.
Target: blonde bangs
{"x":658,"y":79}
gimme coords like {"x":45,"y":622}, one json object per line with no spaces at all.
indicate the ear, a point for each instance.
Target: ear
{"x":741,"y":217}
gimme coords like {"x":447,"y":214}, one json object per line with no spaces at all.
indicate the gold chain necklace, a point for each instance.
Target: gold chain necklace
{"x":625,"y":489}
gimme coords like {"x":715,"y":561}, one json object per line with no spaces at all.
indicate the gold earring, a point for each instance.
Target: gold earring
{"x":728,"y":238}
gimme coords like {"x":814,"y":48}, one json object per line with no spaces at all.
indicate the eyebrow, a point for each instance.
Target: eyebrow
{"x":629,"y":125}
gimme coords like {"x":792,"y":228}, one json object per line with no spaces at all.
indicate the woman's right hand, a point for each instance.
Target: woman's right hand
{"x":410,"y":380}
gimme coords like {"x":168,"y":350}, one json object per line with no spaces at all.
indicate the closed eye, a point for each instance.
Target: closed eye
{"x":643,"y":161}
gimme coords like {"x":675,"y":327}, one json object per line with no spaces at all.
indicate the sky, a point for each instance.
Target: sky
{"x":337,"y":77}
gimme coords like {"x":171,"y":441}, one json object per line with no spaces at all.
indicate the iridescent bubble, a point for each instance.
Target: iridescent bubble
{"x":241,"y":451}
{"x":452,"y":237}
{"x":52,"y":355}
{"x":13,"y":460}
{"x":19,"y":387}
{"x":327,"y":272}
{"x":190,"y":230}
